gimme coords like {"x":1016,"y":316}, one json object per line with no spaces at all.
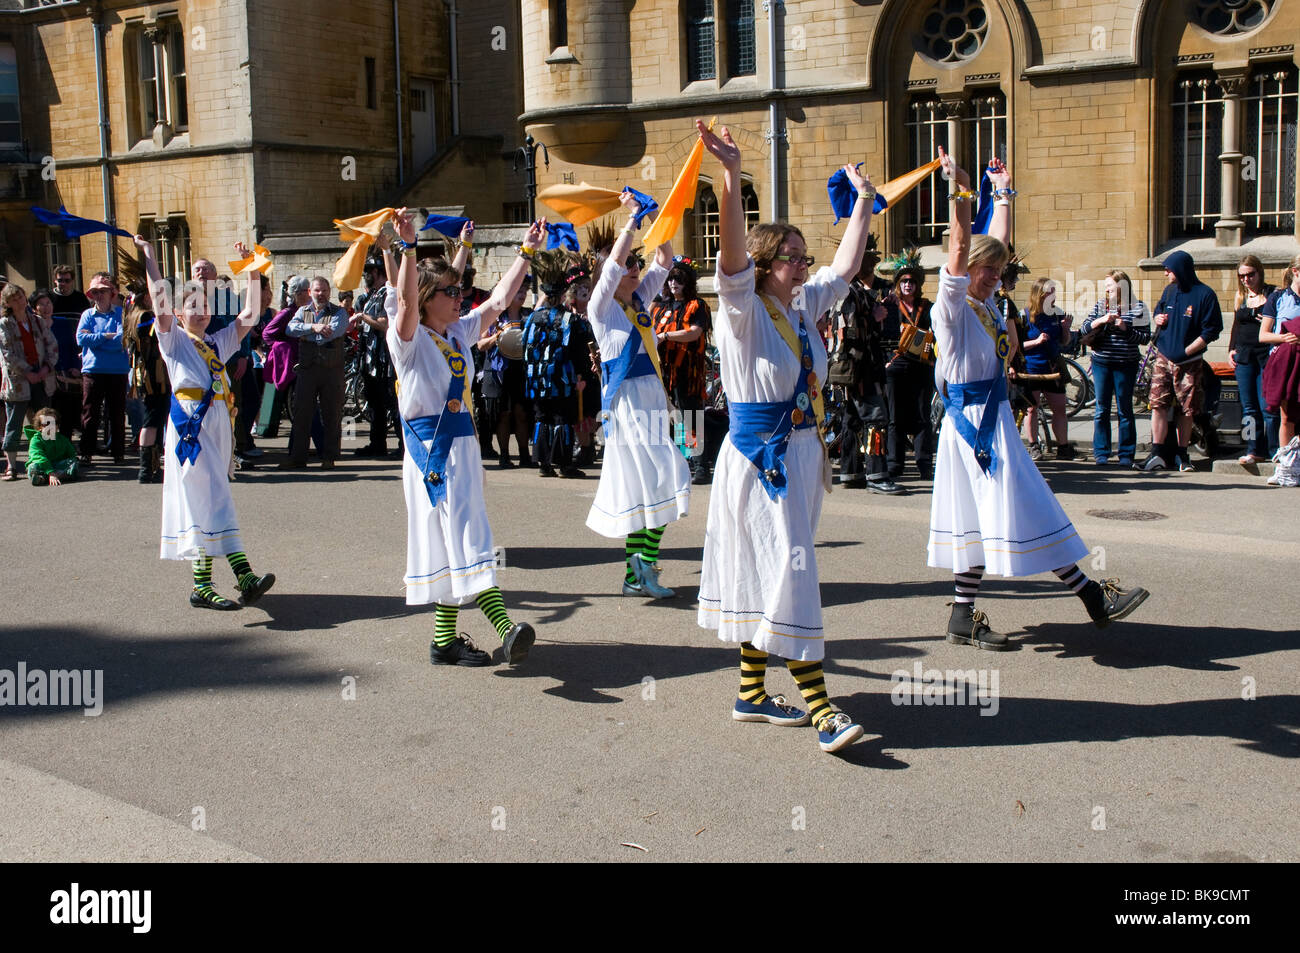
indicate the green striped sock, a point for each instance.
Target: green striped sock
{"x":635,"y":544}
{"x":494,"y":607}
{"x":753,"y":670}
{"x":650,"y":548}
{"x":243,"y":571}
{"x":444,"y":624}
{"x":203,"y":575}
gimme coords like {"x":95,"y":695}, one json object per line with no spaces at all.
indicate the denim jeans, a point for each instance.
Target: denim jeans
{"x":1250,"y":389}
{"x":1114,"y":380}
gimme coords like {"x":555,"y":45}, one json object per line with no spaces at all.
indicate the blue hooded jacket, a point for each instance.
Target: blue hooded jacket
{"x":1193,"y":310}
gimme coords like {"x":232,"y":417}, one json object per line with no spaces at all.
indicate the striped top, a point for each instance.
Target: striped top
{"x":1116,"y":344}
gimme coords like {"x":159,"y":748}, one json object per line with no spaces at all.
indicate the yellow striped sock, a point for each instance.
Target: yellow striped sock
{"x":812,"y":685}
{"x":753,"y":672}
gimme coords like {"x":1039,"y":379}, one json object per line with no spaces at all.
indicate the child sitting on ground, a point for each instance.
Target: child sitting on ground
{"x":51,"y":457}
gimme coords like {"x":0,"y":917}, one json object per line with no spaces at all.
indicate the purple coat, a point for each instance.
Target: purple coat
{"x":282,"y":353}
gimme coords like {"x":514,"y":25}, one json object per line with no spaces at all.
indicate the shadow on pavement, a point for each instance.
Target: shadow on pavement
{"x":136,"y":668}
{"x":1107,"y":481}
{"x":296,"y":612}
{"x":1269,"y":724}
{"x":607,"y":553}
{"x":1130,"y":645}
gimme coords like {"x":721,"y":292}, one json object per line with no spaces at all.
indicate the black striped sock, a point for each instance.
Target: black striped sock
{"x":968,"y":584}
{"x":494,"y":607}
{"x":1072,"y":576}
{"x":650,"y":548}
{"x":753,"y":671}
{"x":812,"y":685}
{"x":243,"y":571}
{"x":444,"y":624}
{"x":635,"y":543}
{"x":203,"y":575}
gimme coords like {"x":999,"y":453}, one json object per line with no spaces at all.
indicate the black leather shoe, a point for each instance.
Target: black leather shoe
{"x":460,"y":652}
{"x":518,"y":641}
{"x":887,"y":487}
{"x":256,"y":589}
{"x":969,"y":626}
{"x":1107,"y":602}
{"x":211,"y":600}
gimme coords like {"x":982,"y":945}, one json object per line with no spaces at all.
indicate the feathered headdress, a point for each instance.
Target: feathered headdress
{"x":549,"y":268}
{"x":907,"y":260}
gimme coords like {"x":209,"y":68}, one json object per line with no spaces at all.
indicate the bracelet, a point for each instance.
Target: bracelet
{"x":408,"y":251}
{"x":1009,"y":193}
{"x":403,"y":244}
{"x":866,"y":193}
{"x":466,"y":244}
{"x":962,"y":196}
{"x":528,"y":249}
{"x":525,"y":252}
{"x":1006,"y":202}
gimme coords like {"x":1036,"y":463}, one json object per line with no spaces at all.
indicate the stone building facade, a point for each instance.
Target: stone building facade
{"x":1132,"y":127}
{"x":255,"y":121}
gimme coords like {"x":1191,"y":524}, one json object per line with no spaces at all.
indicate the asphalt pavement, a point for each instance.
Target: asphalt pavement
{"x":312,"y":726}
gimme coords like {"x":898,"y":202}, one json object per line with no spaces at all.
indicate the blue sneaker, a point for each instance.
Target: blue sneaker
{"x":772,"y":710}
{"x":634,"y":589}
{"x":837,"y":731}
{"x":647,"y":574}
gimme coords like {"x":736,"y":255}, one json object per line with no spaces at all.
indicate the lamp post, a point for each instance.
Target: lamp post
{"x":528,"y":151}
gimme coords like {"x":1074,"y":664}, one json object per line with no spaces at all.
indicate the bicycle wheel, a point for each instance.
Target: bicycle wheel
{"x":1078,"y":387}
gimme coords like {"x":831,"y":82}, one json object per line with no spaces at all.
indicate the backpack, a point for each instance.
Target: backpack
{"x":849,"y":337}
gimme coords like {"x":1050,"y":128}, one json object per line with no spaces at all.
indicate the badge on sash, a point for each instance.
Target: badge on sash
{"x":802,"y":401}
{"x":453,"y":406}
{"x":796,"y":415}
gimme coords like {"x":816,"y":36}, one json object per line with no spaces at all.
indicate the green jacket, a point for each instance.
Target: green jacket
{"x":45,"y":455}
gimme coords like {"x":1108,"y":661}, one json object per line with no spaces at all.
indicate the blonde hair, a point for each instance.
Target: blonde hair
{"x":1240,"y":297}
{"x":985,"y":250}
{"x":1036,"y":295}
{"x":432,"y":271}
{"x":1124,"y":287}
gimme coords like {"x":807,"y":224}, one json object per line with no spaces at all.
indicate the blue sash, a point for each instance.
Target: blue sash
{"x":988,"y":394}
{"x":188,"y":427}
{"x":748,"y":421}
{"x":633,"y":361}
{"x":442,"y":429}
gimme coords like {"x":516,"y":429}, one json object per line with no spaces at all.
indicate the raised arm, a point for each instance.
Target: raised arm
{"x":465,"y":250}
{"x":408,"y":285}
{"x":1000,"y":224}
{"x":959,"y":225}
{"x":623,"y":244}
{"x":732,"y":257}
{"x":848,"y":257}
{"x":508,"y":286}
{"x":252,"y":310}
{"x":159,"y":293}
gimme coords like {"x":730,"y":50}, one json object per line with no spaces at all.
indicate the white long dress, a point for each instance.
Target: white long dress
{"x":759,"y":579}
{"x":1008,"y":521}
{"x":198,"y":512}
{"x":644,"y":479}
{"x":449,"y":553}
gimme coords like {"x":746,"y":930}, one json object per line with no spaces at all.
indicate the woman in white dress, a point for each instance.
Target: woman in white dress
{"x":991,"y":507}
{"x":645,"y":483}
{"x":450,"y":559}
{"x":198,"y":518}
{"x":759,"y":584}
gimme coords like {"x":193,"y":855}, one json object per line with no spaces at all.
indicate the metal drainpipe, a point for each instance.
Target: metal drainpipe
{"x":397,"y":73}
{"x":773,"y":112}
{"x":101,"y":93}
{"x":452,"y":16}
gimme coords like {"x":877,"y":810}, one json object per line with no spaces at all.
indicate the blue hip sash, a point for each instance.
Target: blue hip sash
{"x":442,"y":429}
{"x":188,"y":426}
{"x":987,"y":394}
{"x":748,"y":422}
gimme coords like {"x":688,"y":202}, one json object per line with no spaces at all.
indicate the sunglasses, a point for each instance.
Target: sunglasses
{"x":907,"y":281}
{"x":451,"y":291}
{"x":99,"y":291}
{"x":806,"y":260}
